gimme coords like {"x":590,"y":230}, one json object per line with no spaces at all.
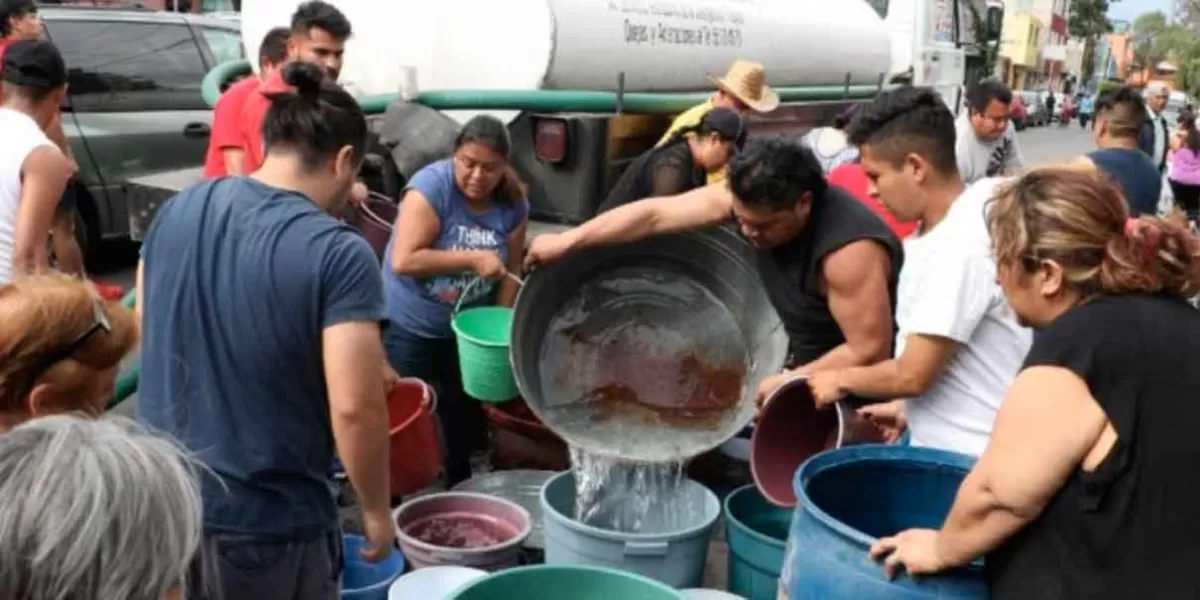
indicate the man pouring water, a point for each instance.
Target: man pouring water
{"x":827,"y":263}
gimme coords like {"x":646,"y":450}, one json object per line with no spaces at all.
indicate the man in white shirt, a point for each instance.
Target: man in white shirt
{"x":985,"y":143}
{"x":958,"y":345}
{"x":33,"y":170}
{"x":1155,"y":131}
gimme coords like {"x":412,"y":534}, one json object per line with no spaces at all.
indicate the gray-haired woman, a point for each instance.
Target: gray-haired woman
{"x":95,"y":510}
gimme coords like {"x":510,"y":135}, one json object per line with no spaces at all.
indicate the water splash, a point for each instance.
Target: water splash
{"x":633,"y":497}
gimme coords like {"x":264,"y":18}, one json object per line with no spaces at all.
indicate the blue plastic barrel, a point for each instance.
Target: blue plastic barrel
{"x":851,"y":497}
{"x":756,"y":532}
{"x":362,"y":580}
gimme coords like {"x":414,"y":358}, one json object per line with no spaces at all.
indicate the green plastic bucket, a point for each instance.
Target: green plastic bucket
{"x":482,"y":334}
{"x":556,"y":582}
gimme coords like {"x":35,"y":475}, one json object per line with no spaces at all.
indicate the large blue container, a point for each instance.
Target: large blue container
{"x":362,"y":580}
{"x":757,"y":533}
{"x":673,"y":556}
{"x":848,"y":499}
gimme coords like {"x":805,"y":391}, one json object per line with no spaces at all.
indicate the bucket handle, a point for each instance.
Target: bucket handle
{"x":471,"y":284}
{"x":370,"y":214}
{"x":658,"y":548}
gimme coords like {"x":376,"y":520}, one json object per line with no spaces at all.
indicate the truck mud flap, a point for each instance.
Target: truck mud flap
{"x":416,"y":136}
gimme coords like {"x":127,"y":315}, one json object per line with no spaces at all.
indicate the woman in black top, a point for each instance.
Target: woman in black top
{"x":682,"y":164}
{"x":1088,"y":487}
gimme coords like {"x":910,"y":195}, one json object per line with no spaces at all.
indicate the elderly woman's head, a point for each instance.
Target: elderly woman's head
{"x":481,"y":168}
{"x":60,"y":347}
{"x":1063,"y":235}
{"x":95,"y":510}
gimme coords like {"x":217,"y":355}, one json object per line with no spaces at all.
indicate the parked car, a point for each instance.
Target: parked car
{"x":133,"y":105}
{"x":1035,"y":109}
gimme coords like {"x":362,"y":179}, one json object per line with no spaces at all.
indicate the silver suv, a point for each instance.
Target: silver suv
{"x":133,"y":105}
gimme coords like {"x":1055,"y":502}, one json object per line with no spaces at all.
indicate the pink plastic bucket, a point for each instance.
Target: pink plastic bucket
{"x":790,"y":429}
{"x":463,"y":529}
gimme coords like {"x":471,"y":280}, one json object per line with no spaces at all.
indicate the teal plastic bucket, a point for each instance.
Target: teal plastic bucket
{"x":559,"y":582}
{"x":483,"y":334}
{"x":756,"y":532}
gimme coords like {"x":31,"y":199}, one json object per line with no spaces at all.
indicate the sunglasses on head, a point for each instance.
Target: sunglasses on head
{"x":99,"y":324}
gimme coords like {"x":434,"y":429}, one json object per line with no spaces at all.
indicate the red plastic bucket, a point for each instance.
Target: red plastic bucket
{"x":373,"y":219}
{"x":416,"y":456}
{"x":790,"y":429}
{"x":522,"y":441}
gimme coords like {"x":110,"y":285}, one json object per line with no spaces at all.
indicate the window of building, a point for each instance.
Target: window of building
{"x":130,"y":66}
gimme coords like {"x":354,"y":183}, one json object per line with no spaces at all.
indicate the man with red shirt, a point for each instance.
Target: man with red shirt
{"x":318,"y":35}
{"x":225,"y":150}
{"x":853,"y":178}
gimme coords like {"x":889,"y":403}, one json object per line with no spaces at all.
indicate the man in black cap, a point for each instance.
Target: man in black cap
{"x":33,"y":169}
{"x":682,"y":163}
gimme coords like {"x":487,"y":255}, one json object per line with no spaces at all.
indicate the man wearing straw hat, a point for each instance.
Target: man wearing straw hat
{"x":744,"y":88}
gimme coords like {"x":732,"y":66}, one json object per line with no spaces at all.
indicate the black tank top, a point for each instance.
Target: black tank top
{"x":1129,"y":529}
{"x":791,"y":273}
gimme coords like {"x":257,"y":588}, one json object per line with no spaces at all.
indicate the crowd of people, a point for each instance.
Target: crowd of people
{"x":910,"y":254}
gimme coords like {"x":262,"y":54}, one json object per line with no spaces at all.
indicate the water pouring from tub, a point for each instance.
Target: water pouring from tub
{"x":642,"y":356}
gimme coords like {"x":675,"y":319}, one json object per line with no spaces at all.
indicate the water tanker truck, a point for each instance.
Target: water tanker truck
{"x":586,"y":85}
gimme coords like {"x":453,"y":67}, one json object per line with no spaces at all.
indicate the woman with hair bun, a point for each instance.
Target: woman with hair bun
{"x":1085,"y":490}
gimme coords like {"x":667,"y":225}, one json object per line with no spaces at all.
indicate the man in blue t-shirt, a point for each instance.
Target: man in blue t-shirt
{"x":261,"y":348}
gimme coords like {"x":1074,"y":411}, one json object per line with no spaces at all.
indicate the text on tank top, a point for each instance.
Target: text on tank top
{"x":791,"y":273}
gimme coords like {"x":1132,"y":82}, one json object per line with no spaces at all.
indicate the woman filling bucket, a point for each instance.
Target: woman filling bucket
{"x":461,"y":219}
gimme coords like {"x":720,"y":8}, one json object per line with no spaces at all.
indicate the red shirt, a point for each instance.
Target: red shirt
{"x":226,"y":131}
{"x":4,"y":44}
{"x":253,"y":115}
{"x":852,"y":178}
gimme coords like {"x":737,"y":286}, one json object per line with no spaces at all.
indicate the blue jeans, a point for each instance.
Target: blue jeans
{"x":229,"y":567}
{"x":435,"y":361}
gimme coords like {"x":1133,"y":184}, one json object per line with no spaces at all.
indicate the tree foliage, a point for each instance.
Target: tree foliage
{"x":1089,"y":21}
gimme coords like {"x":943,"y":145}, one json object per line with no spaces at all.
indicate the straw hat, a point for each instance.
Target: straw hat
{"x":747,"y":82}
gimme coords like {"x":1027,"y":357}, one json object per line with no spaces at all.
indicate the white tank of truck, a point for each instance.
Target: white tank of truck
{"x":660,"y":45}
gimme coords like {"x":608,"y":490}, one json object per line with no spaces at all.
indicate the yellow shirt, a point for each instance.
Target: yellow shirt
{"x":690,"y":118}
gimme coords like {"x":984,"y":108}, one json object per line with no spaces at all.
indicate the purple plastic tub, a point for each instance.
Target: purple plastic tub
{"x":463,"y":529}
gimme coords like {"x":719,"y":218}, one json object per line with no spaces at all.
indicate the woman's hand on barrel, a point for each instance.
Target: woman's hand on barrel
{"x":916,"y":550}
{"x":377,"y":528}
{"x":826,"y":388}
{"x":489,"y":266}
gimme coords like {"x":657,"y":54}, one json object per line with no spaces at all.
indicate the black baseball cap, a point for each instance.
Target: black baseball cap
{"x":725,"y":122}
{"x":34,"y":64}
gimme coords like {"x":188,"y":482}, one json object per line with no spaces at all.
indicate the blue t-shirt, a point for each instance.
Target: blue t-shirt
{"x":1135,"y":174}
{"x":423,"y":306}
{"x":240,"y":280}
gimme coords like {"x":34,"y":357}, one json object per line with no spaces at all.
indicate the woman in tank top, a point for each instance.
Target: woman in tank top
{"x":1086,"y":487}
{"x":683,"y":163}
